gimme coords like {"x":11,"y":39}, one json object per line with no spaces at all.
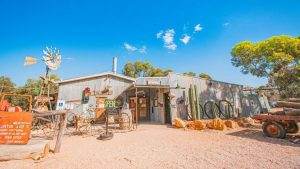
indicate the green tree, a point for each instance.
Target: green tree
{"x":33,"y":86}
{"x":190,"y":74}
{"x":205,"y":76}
{"x":277,"y":58}
{"x":143,"y":69}
{"x":6,"y":84}
{"x":129,"y":70}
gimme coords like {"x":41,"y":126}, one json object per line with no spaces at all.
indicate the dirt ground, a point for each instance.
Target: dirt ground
{"x":159,"y":146}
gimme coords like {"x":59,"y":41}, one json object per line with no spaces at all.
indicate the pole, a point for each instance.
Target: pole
{"x":136,"y":107}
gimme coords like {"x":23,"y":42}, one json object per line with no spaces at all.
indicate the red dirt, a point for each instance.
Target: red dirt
{"x":158,"y":146}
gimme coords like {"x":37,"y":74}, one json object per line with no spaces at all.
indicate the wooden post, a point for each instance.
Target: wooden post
{"x":62,"y":127}
{"x":136,"y":107}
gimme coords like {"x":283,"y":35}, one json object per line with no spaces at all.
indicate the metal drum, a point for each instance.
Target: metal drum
{"x":124,"y":121}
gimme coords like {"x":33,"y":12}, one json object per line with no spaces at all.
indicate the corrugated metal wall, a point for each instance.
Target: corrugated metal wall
{"x":72,"y":91}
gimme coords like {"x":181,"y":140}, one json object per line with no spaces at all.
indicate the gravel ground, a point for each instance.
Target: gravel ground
{"x":159,"y":146}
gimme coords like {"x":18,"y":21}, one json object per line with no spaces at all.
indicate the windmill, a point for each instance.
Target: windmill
{"x":52,"y":60}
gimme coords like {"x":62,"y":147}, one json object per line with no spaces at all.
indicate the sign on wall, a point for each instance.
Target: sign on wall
{"x":110,"y":104}
{"x":60,"y":105}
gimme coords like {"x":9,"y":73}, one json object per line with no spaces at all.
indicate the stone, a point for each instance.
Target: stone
{"x":179,"y":123}
{"x":199,"y":125}
{"x":217,"y":124}
{"x":231,"y":124}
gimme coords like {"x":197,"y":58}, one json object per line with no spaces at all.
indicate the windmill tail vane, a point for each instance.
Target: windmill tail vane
{"x":30,"y":61}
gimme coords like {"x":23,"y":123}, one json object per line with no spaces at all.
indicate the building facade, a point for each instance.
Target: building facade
{"x":156,"y":99}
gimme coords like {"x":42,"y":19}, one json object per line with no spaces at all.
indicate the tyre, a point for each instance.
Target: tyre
{"x":274,"y":129}
{"x":292,"y":127}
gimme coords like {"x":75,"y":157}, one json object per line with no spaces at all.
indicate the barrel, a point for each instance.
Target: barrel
{"x":124,"y":121}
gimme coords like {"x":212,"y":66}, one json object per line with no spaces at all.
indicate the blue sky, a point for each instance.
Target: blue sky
{"x":90,"y":33}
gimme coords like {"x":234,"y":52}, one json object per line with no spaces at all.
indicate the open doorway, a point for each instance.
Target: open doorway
{"x":167,"y":108}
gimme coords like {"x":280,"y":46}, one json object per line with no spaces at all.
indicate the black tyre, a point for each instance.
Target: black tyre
{"x":274,"y":129}
{"x":292,"y":127}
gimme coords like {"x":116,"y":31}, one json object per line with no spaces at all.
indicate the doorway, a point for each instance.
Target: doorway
{"x":142,"y":108}
{"x":167,"y":108}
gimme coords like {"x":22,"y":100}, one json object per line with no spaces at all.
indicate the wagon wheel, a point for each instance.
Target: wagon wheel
{"x":292,"y":127}
{"x":274,"y":129}
{"x":211,"y":109}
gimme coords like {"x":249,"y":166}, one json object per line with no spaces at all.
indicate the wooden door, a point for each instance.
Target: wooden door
{"x":100,"y":108}
{"x":143,"y":113}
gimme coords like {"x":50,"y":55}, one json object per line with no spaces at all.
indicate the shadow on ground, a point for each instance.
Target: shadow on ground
{"x":259,"y":136}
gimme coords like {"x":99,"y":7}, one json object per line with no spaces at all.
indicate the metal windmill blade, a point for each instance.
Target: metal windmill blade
{"x":52,"y":58}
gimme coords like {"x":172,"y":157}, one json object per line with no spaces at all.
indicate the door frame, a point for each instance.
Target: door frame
{"x":166,"y":96}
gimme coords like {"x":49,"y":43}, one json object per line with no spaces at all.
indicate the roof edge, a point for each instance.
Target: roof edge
{"x":97,"y":75}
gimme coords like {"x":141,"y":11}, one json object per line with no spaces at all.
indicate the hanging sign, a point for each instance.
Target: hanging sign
{"x":110,"y":104}
{"x":43,"y":98}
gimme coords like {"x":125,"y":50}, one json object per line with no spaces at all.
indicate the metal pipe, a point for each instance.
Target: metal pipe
{"x":115,"y":64}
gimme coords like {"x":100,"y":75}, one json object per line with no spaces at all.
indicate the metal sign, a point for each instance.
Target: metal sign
{"x":43,"y":98}
{"x":110,"y":104}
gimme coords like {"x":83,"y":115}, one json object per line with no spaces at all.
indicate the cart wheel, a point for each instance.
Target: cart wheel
{"x":292,"y":127}
{"x":274,"y":129}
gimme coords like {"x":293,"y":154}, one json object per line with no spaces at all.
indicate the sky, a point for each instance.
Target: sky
{"x":189,"y":35}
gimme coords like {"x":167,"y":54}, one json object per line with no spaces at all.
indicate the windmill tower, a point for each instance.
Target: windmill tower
{"x":52,"y":60}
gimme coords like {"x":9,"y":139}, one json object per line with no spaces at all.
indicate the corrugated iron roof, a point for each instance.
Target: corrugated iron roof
{"x":95,"y":76}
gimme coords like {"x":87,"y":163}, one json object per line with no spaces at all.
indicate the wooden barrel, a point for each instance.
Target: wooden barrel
{"x":124,"y":121}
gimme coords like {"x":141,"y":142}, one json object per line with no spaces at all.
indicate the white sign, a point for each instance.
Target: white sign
{"x":60,"y":105}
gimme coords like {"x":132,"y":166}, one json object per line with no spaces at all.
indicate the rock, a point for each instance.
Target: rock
{"x":216,"y":124}
{"x":179,"y":123}
{"x":231,"y":124}
{"x":199,"y":125}
{"x":248,"y":120}
{"x":190,"y":124}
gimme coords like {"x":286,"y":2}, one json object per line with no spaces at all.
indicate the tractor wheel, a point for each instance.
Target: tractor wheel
{"x":274,"y":129}
{"x":292,"y":127}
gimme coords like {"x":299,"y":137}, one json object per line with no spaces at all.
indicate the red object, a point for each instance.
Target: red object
{"x":87,"y":91}
{"x":4,"y":106}
{"x":15,"y":127}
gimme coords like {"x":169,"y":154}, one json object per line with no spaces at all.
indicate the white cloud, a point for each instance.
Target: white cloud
{"x":226,"y":24}
{"x":168,"y":39}
{"x":143,"y":49}
{"x":129,"y":47}
{"x":185,"y":39}
{"x":133,"y":48}
{"x":158,"y":35}
{"x":198,"y":27}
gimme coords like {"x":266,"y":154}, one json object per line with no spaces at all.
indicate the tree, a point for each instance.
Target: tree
{"x":6,"y":84}
{"x":277,"y":58}
{"x":33,"y":86}
{"x":190,"y":74}
{"x":143,"y":69}
{"x":205,"y":76}
{"x":129,"y":70}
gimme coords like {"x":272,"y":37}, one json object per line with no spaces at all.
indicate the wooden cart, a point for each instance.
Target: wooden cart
{"x":278,"y":125}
